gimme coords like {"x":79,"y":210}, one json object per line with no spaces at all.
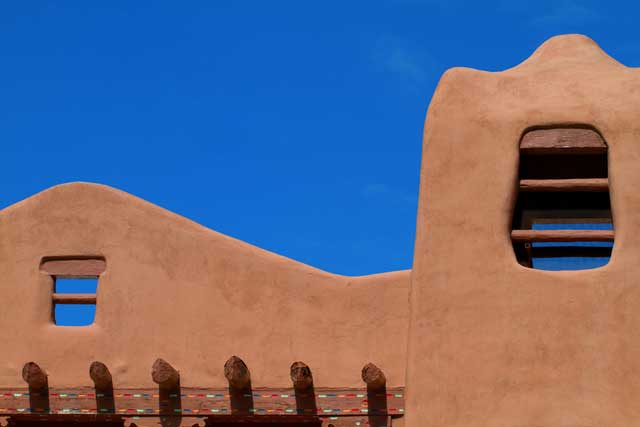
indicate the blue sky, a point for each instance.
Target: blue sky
{"x":293,"y":125}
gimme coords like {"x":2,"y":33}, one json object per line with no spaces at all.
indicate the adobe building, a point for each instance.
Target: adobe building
{"x":193,"y":327}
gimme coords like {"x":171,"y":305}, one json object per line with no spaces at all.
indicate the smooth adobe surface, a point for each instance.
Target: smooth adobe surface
{"x":174,"y":290}
{"x":492,"y":343}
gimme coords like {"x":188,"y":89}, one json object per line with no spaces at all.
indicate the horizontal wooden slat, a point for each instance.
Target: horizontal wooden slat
{"x":561,"y":141}
{"x":74,"y":298}
{"x":588,"y":185}
{"x":562,"y":235}
{"x":92,"y":267}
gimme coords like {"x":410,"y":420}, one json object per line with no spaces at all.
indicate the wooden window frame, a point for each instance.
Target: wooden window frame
{"x":72,"y":268}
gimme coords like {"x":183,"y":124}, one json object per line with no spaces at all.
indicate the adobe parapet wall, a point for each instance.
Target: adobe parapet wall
{"x":175,"y":290}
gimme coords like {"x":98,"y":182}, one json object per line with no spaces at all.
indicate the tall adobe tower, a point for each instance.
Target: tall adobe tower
{"x":492,"y":341}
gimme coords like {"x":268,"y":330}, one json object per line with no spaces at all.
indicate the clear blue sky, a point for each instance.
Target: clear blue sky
{"x":293,"y":125}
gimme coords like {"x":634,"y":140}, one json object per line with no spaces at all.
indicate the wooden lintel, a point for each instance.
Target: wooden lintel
{"x":567,"y":185}
{"x":562,"y":235}
{"x":74,"y":267}
{"x":562,"y":141}
{"x":74,"y":298}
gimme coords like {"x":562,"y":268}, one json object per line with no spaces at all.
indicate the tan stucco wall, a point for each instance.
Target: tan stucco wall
{"x":176,"y":290}
{"x":493,"y":343}
{"x":490,"y":342}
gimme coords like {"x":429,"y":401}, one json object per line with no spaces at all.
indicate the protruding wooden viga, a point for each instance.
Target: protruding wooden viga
{"x":34,"y":375}
{"x":301,"y":376}
{"x":165,"y":375}
{"x":100,"y":375}
{"x":373,"y":376}
{"x":237,"y":373}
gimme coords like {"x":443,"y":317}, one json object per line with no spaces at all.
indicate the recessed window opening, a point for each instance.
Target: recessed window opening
{"x":75,"y":286}
{"x":74,"y":300}
{"x":562,"y":218}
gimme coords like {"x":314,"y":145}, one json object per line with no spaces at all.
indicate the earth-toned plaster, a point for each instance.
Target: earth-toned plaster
{"x":492,"y":343}
{"x":175,"y":290}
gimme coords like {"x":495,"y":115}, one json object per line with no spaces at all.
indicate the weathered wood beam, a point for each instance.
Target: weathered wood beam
{"x":562,"y":235}
{"x":582,"y":185}
{"x":74,"y":267}
{"x":373,"y":377}
{"x":35,"y":376}
{"x":74,"y":298}
{"x":301,"y":376}
{"x":100,"y":375}
{"x":237,"y":373}
{"x":562,"y":141}
{"x":165,"y":375}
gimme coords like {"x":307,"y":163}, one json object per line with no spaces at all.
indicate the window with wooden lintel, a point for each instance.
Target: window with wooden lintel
{"x":562,"y":217}
{"x":75,"y":286}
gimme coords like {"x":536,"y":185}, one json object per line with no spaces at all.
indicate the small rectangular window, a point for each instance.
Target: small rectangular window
{"x":74,"y":301}
{"x":75,"y":286}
